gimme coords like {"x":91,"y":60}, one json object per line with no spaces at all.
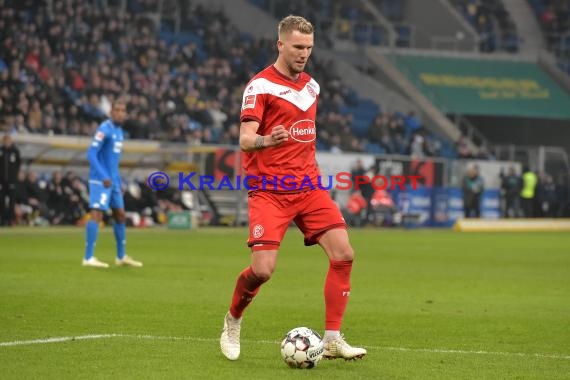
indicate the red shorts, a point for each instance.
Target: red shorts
{"x":270,"y":213}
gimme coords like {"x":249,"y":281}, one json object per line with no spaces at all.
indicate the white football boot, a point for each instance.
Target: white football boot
{"x":229,"y":341}
{"x":94,"y":262}
{"x":339,"y":349}
{"x":128,"y":261}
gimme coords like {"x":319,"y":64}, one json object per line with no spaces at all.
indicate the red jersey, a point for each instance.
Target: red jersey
{"x":381,"y":198}
{"x":356,"y":203}
{"x":272,"y":99}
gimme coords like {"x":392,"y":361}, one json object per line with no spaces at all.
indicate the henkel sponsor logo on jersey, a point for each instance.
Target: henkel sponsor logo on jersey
{"x":303,"y":131}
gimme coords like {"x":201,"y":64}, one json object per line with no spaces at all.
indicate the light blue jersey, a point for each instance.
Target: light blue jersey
{"x":104,"y":155}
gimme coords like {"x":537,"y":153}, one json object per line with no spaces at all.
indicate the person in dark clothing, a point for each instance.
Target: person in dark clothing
{"x":547,"y":197}
{"x":56,"y":199}
{"x":563,"y":195}
{"x":472,"y":189}
{"x":35,"y":196}
{"x":511,"y":186}
{"x":366,"y":189}
{"x":9,"y":167}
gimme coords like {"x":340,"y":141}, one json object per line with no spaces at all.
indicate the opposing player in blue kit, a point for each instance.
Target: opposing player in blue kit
{"x":104,"y":155}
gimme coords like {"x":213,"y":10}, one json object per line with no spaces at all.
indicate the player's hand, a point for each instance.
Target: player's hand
{"x":107,"y":183}
{"x":279,"y":135}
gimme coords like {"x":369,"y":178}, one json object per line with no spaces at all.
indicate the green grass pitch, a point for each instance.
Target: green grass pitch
{"x":426,"y":304}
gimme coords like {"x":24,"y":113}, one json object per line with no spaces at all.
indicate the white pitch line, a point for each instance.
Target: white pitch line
{"x":446,"y":351}
{"x":56,"y":339}
{"x":194,"y":339}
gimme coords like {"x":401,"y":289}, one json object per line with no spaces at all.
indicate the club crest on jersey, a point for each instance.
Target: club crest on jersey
{"x":248,"y":102}
{"x":258,"y":231}
{"x":311,"y":90}
{"x":303,"y":131}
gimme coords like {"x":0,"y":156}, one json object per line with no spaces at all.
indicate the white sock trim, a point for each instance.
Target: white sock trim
{"x":331,"y":335}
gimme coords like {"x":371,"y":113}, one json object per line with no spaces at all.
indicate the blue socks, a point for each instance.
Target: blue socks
{"x":91,"y":231}
{"x":119,"y":230}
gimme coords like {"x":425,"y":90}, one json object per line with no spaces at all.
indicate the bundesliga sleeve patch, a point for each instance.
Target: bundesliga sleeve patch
{"x":99,"y":136}
{"x":248,"y":102}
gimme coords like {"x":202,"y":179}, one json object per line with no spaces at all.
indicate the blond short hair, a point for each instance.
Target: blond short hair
{"x":291,"y":23}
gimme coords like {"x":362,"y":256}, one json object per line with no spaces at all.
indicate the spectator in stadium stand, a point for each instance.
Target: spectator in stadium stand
{"x":9,"y":168}
{"x":384,"y":209}
{"x":57,"y":200}
{"x":366,"y":189}
{"x":355,"y":209}
{"x":473,"y":187}
{"x":358,"y":169}
{"x":528,"y":191}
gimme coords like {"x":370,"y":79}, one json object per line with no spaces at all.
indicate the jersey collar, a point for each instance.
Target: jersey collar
{"x":285,"y":76}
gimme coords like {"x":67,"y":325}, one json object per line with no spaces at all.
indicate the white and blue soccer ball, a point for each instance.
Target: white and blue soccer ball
{"x":302,"y":348}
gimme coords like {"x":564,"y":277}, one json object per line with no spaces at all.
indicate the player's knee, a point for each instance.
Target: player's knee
{"x":263,"y":272}
{"x":119,"y":215}
{"x":343,"y":253}
{"x":96,"y":215}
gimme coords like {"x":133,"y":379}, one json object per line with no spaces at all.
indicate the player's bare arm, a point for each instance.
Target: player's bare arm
{"x":250,"y":141}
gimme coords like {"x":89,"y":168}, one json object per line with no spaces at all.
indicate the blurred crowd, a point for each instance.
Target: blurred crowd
{"x":523,"y":195}
{"x":367,"y":205}
{"x":343,"y":20}
{"x":531,"y":195}
{"x":493,"y":23}
{"x":60,"y":198}
{"x":57,"y":198}
{"x":61,"y":66}
{"x":554,"y":19}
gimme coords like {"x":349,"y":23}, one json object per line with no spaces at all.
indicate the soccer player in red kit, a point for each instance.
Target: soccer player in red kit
{"x":277,"y":138}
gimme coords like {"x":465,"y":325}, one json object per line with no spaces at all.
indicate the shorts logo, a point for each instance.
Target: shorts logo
{"x":258,"y":231}
{"x":248,"y":102}
{"x":250,"y":89}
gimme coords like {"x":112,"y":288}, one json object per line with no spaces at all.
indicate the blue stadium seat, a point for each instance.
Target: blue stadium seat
{"x":374,"y":148}
{"x":360,"y":34}
{"x":378,"y":35}
{"x":404,"y":35}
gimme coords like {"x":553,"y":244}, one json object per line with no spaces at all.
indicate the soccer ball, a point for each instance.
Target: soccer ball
{"x":302,"y":348}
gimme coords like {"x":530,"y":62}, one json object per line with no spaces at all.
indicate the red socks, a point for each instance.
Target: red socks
{"x":247,"y":286}
{"x":337,"y":290}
